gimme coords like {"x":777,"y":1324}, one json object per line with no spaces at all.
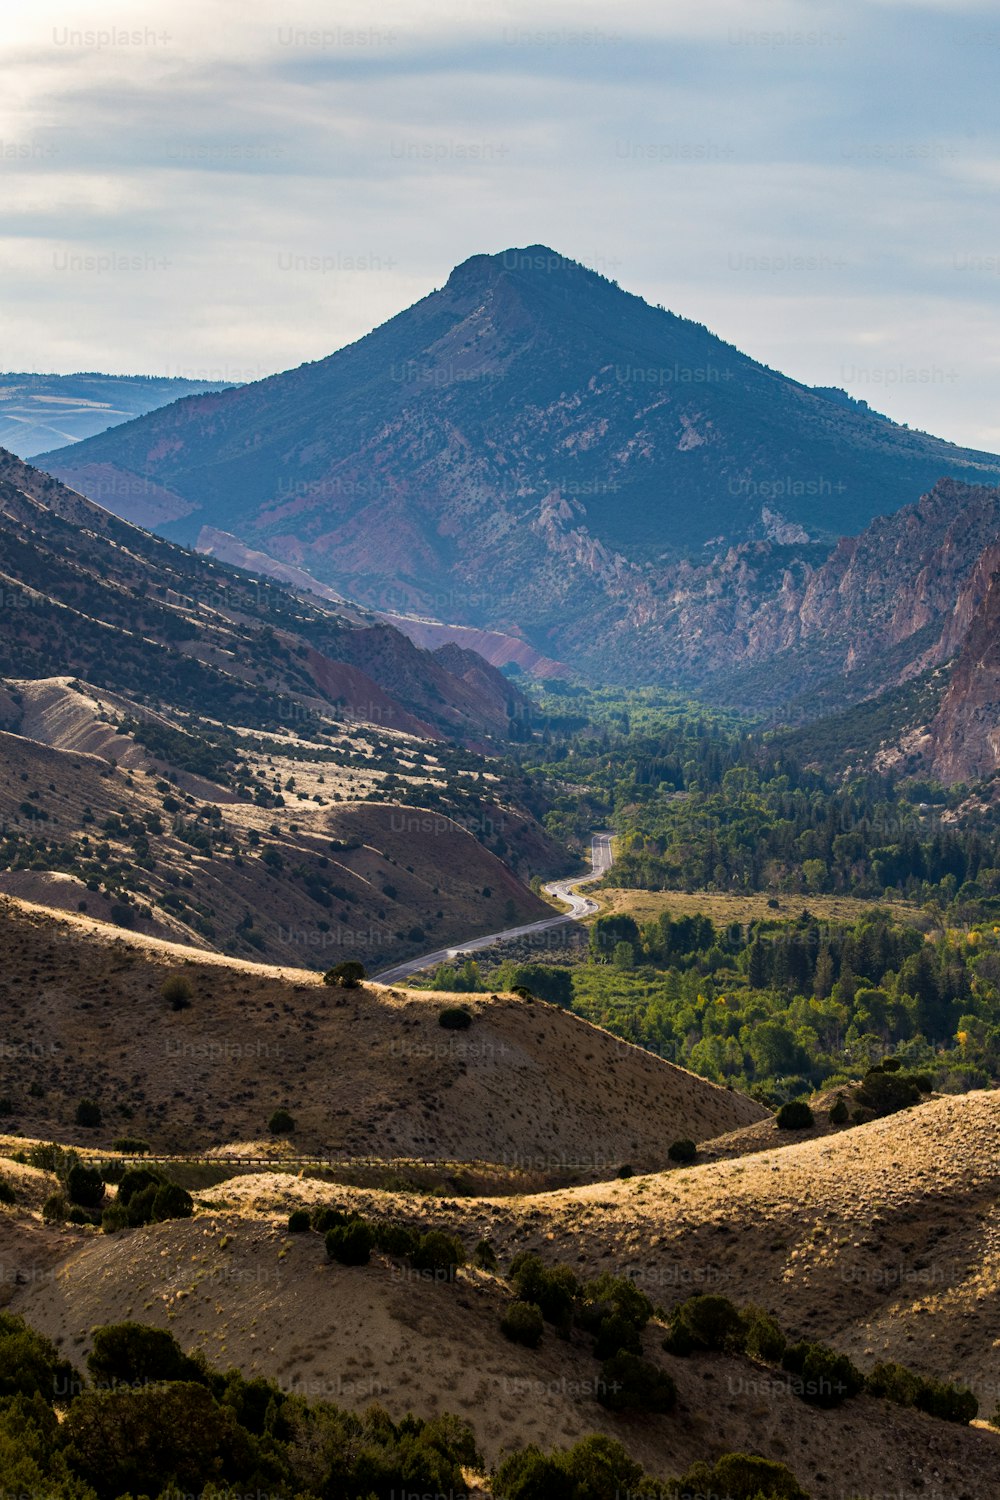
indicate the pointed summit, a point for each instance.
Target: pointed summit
{"x":527,"y":448}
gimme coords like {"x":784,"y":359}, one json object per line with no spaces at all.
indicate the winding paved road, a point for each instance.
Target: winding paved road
{"x":564,"y":890}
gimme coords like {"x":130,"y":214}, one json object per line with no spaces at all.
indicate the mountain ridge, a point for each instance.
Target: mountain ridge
{"x":532,"y":424}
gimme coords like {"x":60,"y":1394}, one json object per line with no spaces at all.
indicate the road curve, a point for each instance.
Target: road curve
{"x":564,"y":890}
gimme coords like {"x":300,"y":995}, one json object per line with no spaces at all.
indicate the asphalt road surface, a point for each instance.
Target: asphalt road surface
{"x":563,"y":890}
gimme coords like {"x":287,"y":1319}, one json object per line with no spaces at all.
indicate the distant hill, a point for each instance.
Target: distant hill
{"x":531,"y":450}
{"x":195,"y":753}
{"x":37,"y":411}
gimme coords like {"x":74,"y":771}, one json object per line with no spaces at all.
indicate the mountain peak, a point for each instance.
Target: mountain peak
{"x":526,"y":260}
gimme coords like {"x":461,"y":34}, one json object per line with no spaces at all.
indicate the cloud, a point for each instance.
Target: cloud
{"x":192,"y":186}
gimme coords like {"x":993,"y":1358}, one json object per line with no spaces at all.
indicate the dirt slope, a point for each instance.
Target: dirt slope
{"x":367,"y":1072}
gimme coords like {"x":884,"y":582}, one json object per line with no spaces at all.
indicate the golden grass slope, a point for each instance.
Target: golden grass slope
{"x":233,"y":1283}
{"x":365,"y":1072}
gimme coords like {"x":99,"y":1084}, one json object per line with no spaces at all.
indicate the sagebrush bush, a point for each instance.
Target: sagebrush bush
{"x":762,"y":1338}
{"x":485,"y":1257}
{"x":438,"y":1254}
{"x":522,"y":1323}
{"x":455,"y":1018}
{"x":682,"y":1151}
{"x":839,"y":1113}
{"x":738,"y":1476}
{"x":629,"y":1383}
{"x":177,"y":992}
{"x":130,"y":1145}
{"x":350,"y":1244}
{"x":298,"y":1221}
{"x":705,"y":1322}
{"x":325,"y":1217}
{"x":347,"y":975}
{"x":553,"y":1289}
{"x":822,"y":1377}
{"x":85,"y":1186}
{"x":795,"y":1114}
{"x":88,"y":1114}
{"x":949,"y":1403}
{"x":396,"y":1240}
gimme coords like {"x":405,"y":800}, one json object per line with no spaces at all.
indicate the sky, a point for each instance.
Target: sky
{"x":224,"y":188}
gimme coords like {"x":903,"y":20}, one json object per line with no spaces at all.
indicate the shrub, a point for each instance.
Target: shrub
{"x":523,"y":1323}
{"x":114,"y":1217}
{"x":615,"y":1311}
{"x":177,"y":992}
{"x":552,"y":1289}
{"x":950,"y":1403}
{"x":30,"y":1365}
{"x":485,"y":1257}
{"x":839,"y":1113}
{"x":281,"y":1123}
{"x":350,"y":1244}
{"x":795,"y":1114}
{"x":531,"y":1474}
{"x":823,"y":1377}
{"x":615,"y":1333}
{"x":347,"y":975}
{"x":886,"y":1093}
{"x":298,"y":1221}
{"x":594,"y":1469}
{"x":682,"y":1151}
{"x":136,"y":1180}
{"x":895,"y":1382}
{"x":396,"y":1239}
{"x":127,"y":1442}
{"x":85,"y":1186}
{"x":628,"y":1383}
{"x":737,"y":1476}
{"x":136,"y":1354}
{"x":88,"y":1114}
{"x":171,"y":1201}
{"x":455,"y":1018}
{"x":438,"y":1254}
{"x":130,"y":1145}
{"x":7,"y":1193}
{"x":55,"y":1208}
{"x":705,"y":1322}
{"x":762,"y":1338}
{"x":325,"y":1217}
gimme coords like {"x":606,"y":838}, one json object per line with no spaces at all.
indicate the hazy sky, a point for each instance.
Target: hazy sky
{"x":230,"y":187}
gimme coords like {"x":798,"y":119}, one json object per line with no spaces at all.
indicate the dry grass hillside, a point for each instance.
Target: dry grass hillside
{"x":233,"y":1283}
{"x":365,"y":1072}
{"x":882,"y":1240}
{"x":323,"y":876}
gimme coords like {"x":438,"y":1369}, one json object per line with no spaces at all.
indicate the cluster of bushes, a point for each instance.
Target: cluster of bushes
{"x":151,"y":1420}
{"x":350,"y":1240}
{"x":948,"y":1402}
{"x":349,"y":975}
{"x":145,"y":1194}
{"x":598,"y":1467}
{"x":611,"y":1309}
{"x":819,"y":1375}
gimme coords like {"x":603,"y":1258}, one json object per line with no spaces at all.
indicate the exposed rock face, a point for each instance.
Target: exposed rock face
{"x":93,"y":596}
{"x":965,"y":734}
